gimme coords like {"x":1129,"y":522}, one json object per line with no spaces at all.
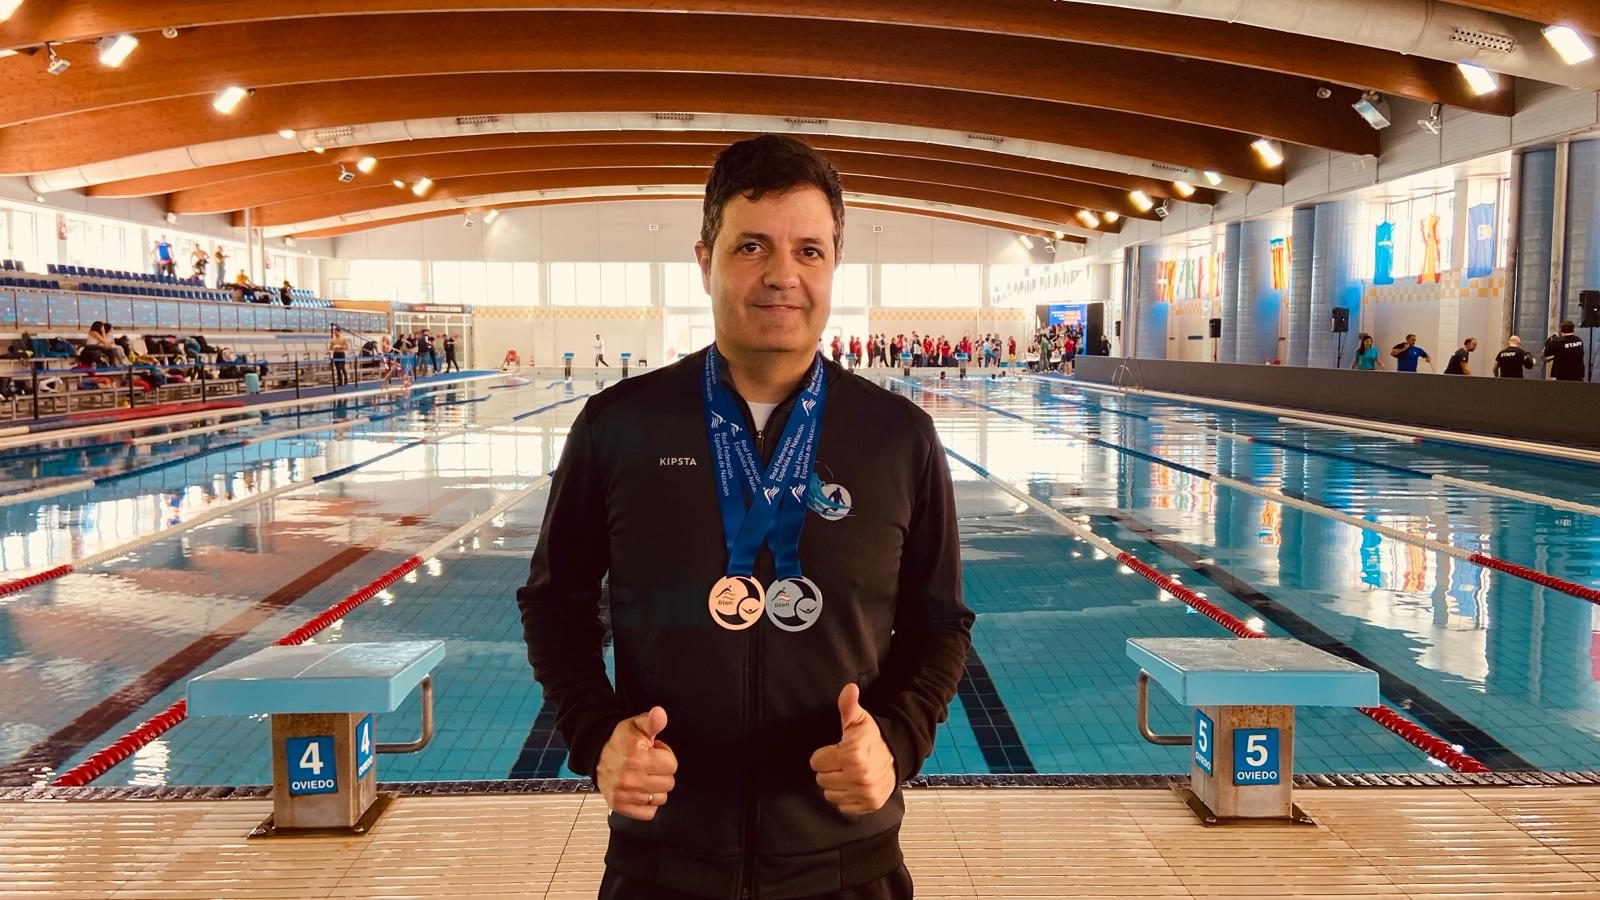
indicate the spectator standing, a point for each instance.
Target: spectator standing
{"x":1510,"y":362}
{"x":600,"y":352}
{"x":1408,"y":353}
{"x":450,"y":363}
{"x":338,"y":348}
{"x":1366,"y":358}
{"x":1458,"y":360}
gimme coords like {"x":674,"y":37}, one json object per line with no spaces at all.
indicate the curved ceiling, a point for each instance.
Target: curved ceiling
{"x":1180,"y":94}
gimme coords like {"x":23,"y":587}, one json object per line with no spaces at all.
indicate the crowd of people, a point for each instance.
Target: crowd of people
{"x":404,"y":355}
{"x":1052,"y":347}
{"x":1563,"y":353}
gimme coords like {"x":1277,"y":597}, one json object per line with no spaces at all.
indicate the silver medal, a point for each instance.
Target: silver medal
{"x":794,"y":604}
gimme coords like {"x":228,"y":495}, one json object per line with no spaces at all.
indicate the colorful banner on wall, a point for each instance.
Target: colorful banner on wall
{"x":1279,"y":249}
{"x":1480,"y":240}
{"x":1430,"y":250}
{"x":1189,"y":278}
{"x":1383,"y":255}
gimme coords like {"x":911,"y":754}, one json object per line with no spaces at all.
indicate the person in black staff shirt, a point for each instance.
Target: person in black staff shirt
{"x":1458,"y":360}
{"x":1564,"y":352}
{"x":1510,"y":362}
{"x":753,"y":744}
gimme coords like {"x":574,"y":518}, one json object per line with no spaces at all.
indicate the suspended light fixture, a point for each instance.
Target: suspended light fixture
{"x":490,"y":216}
{"x":1479,"y":80}
{"x":228,"y":99}
{"x":1140,"y":200}
{"x":1089,"y":219}
{"x":1212,"y":178}
{"x":115,"y":48}
{"x":1111,"y":215}
{"x":1026,"y":241}
{"x":366,"y":164}
{"x":56,"y":64}
{"x":1569,"y":44}
{"x":1269,"y":152}
{"x":422,"y":185}
{"x":286,"y":133}
{"x":1184,"y":189}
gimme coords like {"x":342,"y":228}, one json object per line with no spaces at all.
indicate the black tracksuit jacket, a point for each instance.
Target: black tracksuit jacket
{"x":634,"y":501}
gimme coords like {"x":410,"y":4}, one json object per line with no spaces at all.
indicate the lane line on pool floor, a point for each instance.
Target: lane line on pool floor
{"x":1389,"y":719}
{"x":1563,"y":585}
{"x":1463,"y":483}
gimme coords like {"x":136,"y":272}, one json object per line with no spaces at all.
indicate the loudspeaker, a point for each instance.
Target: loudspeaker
{"x":1118,"y":330}
{"x":1094,"y":328}
{"x":1341,"y":320}
{"x":1216,"y":328}
{"x":1590,"y":301}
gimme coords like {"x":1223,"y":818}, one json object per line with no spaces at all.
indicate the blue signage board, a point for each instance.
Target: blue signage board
{"x":311,"y":765}
{"x":1204,"y":736}
{"x":363,"y":745}
{"x":1255,"y":756}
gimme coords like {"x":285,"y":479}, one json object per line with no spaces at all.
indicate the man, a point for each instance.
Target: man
{"x":1407,"y":353}
{"x":754,"y":739}
{"x":1458,"y":360}
{"x":338,"y":348}
{"x":1510,"y":362}
{"x":600,"y":352}
{"x":1564,"y":352}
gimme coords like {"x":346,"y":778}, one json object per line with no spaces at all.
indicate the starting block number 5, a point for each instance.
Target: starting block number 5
{"x":1255,"y":756}
{"x":1203,"y":731}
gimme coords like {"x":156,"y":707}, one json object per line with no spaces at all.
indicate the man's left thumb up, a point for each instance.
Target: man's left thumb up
{"x":850,"y":711}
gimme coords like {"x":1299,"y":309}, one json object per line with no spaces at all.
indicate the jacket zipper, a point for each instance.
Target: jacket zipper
{"x":747,"y":868}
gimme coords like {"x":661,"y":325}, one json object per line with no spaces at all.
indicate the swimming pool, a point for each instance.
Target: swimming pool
{"x":1498,"y":665}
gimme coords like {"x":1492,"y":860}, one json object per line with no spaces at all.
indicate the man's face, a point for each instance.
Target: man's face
{"x":1410,"y":339}
{"x":770,"y":275}
{"x":1471,"y":345}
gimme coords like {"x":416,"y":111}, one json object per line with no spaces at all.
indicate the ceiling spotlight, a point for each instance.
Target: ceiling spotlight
{"x":319,"y":150}
{"x":1324,"y":92}
{"x":1569,"y":44}
{"x":490,"y":216}
{"x":228,"y":99}
{"x":399,"y":184}
{"x":1432,"y":123}
{"x":1061,"y":235}
{"x":7,"y":7}
{"x":1049,"y":246}
{"x":169,"y":32}
{"x":286,"y":133}
{"x":288,"y":241}
{"x":1140,"y":200}
{"x":1026,"y":241}
{"x":466,"y":220}
{"x":422,"y":185}
{"x":56,"y":65}
{"x":1111,"y":215}
{"x":172,"y":218}
{"x":345,"y":175}
{"x":115,"y":48}
{"x":366,"y":164}
{"x":1184,"y":189}
{"x":38,"y":198}
{"x":1089,"y":219}
{"x":1374,"y":109}
{"x":1212,"y":178}
{"x":1480,"y":80}
{"x":1269,"y":152}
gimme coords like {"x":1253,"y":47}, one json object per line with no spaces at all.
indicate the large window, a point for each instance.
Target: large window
{"x":599,"y":284}
{"x":939,"y":285}
{"x":681,"y":286}
{"x":398,"y":280}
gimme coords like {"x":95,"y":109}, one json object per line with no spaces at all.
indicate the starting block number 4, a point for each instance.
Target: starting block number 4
{"x":1203,"y":731}
{"x":1255,"y":756}
{"x":364,"y":746}
{"x":311,"y":765}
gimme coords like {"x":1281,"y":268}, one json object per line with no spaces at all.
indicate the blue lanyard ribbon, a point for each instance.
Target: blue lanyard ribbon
{"x":755,"y":503}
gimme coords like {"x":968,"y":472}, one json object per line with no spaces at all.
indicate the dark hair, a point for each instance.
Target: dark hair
{"x":1567,"y":327}
{"x":769,"y":164}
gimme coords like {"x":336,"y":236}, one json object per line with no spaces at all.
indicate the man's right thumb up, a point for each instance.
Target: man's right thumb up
{"x":649,"y":724}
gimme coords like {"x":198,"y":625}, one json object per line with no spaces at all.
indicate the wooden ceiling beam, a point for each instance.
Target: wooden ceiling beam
{"x":367,"y":48}
{"x":190,"y":179}
{"x":118,"y":132}
{"x":345,"y":230}
{"x":322,"y":180}
{"x":470,"y":189}
{"x":1393,"y":73}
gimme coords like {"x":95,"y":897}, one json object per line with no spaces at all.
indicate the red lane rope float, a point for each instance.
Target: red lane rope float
{"x":1402,"y":727}
{"x":101,"y":761}
{"x":34,"y":580}
{"x":1550,"y":581}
